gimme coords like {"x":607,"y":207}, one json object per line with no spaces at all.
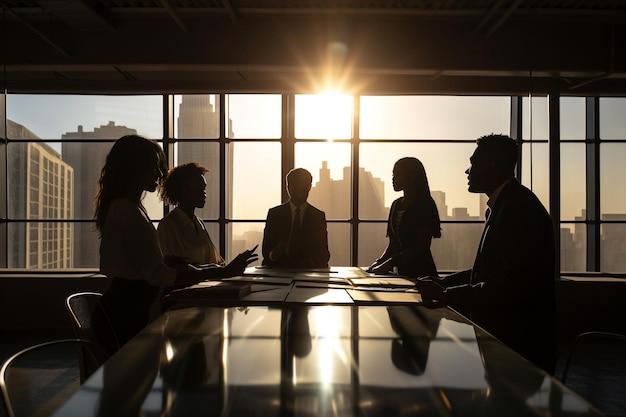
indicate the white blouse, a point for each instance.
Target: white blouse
{"x":129,"y":247}
{"x":182,"y":236}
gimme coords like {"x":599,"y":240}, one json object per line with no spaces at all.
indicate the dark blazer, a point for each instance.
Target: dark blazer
{"x":512,"y":295}
{"x":421,"y":215}
{"x":314,"y":253}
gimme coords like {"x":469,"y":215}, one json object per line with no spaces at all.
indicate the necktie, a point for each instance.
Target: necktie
{"x":473,"y":277}
{"x":296,"y":231}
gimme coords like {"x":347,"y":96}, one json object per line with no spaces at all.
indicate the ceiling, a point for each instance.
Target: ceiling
{"x":360,"y":46}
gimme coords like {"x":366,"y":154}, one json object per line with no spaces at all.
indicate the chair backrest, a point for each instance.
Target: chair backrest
{"x":594,"y":365}
{"x":90,"y":321}
{"x":39,"y":379}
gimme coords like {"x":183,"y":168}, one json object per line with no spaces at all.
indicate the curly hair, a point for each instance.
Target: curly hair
{"x":177,"y":178}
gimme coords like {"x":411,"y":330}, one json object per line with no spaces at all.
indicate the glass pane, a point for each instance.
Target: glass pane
{"x":3,"y":179}
{"x":323,"y":116}
{"x":339,"y":244}
{"x":613,"y":245}
{"x":243,"y":236}
{"x":87,"y":117}
{"x":254,"y":184}
{"x":572,"y":118}
{"x":254,"y":116}
{"x":86,"y":245}
{"x":372,"y":242}
{"x":535,"y":170}
{"x":457,"y":247}
{"x":197,"y":116}
{"x":535,"y":118}
{"x":329,"y":164}
{"x":213,"y":229}
{"x":573,"y":180}
{"x":206,"y":154}
{"x":3,"y":245}
{"x":49,"y":183}
{"x":612,"y":118}
{"x":40,"y":245}
{"x":612,"y":174}
{"x":445,"y":165}
{"x":3,"y":115}
{"x":432,"y":117}
{"x":41,"y":184}
{"x":574,"y":246}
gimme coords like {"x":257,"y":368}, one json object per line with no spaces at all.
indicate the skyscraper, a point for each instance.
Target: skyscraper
{"x":40,"y":187}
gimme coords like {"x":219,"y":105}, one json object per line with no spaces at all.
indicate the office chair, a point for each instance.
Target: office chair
{"x":595,"y":367}
{"x":84,"y":308}
{"x":39,"y":379}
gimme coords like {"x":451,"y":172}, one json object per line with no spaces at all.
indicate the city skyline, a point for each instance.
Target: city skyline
{"x":199,"y":118}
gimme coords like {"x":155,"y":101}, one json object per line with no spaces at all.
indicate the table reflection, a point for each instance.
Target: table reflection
{"x":317,"y":361}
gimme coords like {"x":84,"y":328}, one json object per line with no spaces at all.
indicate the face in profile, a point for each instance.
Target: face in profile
{"x":151,"y":174}
{"x":298,"y":188}
{"x":479,"y":173}
{"x":195,"y":191}
{"x":401,"y":178}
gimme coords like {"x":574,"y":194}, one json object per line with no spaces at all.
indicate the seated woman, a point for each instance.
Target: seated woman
{"x":182,"y":235}
{"x":129,"y":250}
{"x":413,"y":222}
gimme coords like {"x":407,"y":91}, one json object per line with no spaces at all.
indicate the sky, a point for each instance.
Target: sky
{"x":399,"y":117}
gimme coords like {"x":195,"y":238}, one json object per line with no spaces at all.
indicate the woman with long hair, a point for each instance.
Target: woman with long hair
{"x":129,"y":250}
{"x":413,"y":222}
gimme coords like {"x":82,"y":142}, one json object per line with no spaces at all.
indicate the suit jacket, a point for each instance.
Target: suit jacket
{"x":512,"y":292}
{"x":314,"y":244}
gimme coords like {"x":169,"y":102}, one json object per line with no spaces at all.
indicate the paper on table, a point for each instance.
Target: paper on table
{"x":385,"y":296}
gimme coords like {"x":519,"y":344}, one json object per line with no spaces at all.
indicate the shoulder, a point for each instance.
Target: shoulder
{"x":280,"y":208}
{"x":315,"y":210}
{"x":123,"y":207}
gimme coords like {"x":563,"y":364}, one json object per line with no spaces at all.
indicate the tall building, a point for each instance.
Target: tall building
{"x":613,"y":245}
{"x":40,"y":187}
{"x":198,"y":118}
{"x":87,"y":159}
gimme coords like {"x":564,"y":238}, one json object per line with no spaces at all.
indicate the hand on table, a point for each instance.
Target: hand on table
{"x":238,"y":265}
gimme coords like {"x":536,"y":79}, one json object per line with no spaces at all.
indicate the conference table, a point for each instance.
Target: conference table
{"x":334,"y":342}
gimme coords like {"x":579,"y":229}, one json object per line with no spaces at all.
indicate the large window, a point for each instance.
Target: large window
{"x":55,"y":145}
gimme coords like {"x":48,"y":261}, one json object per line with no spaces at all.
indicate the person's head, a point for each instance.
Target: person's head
{"x":492,"y":163}
{"x":299,"y":182}
{"x":409,"y":175}
{"x":134,"y":165}
{"x":185,"y":185}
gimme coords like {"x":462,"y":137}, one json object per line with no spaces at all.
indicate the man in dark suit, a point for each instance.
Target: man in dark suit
{"x":510,"y":291}
{"x":295,"y":233}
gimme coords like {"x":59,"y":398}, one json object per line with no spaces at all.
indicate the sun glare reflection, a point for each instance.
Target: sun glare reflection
{"x":327,"y":325}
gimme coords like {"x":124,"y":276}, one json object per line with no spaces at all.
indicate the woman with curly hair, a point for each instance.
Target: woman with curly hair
{"x":182,"y":235}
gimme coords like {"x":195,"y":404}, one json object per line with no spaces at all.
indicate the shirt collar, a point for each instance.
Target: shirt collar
{"x":494,"y":196}
{"x":294,"y":207}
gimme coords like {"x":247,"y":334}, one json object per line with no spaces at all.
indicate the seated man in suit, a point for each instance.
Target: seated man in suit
{"x":510,"y":291}
{"x":295,"y":233}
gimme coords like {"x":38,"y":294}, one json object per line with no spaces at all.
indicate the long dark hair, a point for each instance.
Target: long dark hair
{"x":422,"y":189}
{"x":414,"y":166}
{"x":128,"y":157}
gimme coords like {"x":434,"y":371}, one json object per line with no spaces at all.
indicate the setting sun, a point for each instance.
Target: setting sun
{"x":324,"y":116}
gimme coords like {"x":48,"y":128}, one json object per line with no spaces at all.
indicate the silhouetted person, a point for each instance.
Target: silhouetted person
{"x":413,"y":222}
{"x":182,"y":235}
{"x":129,"y":250}
{"x":295,"y":233}
{"x":510,"y":290}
